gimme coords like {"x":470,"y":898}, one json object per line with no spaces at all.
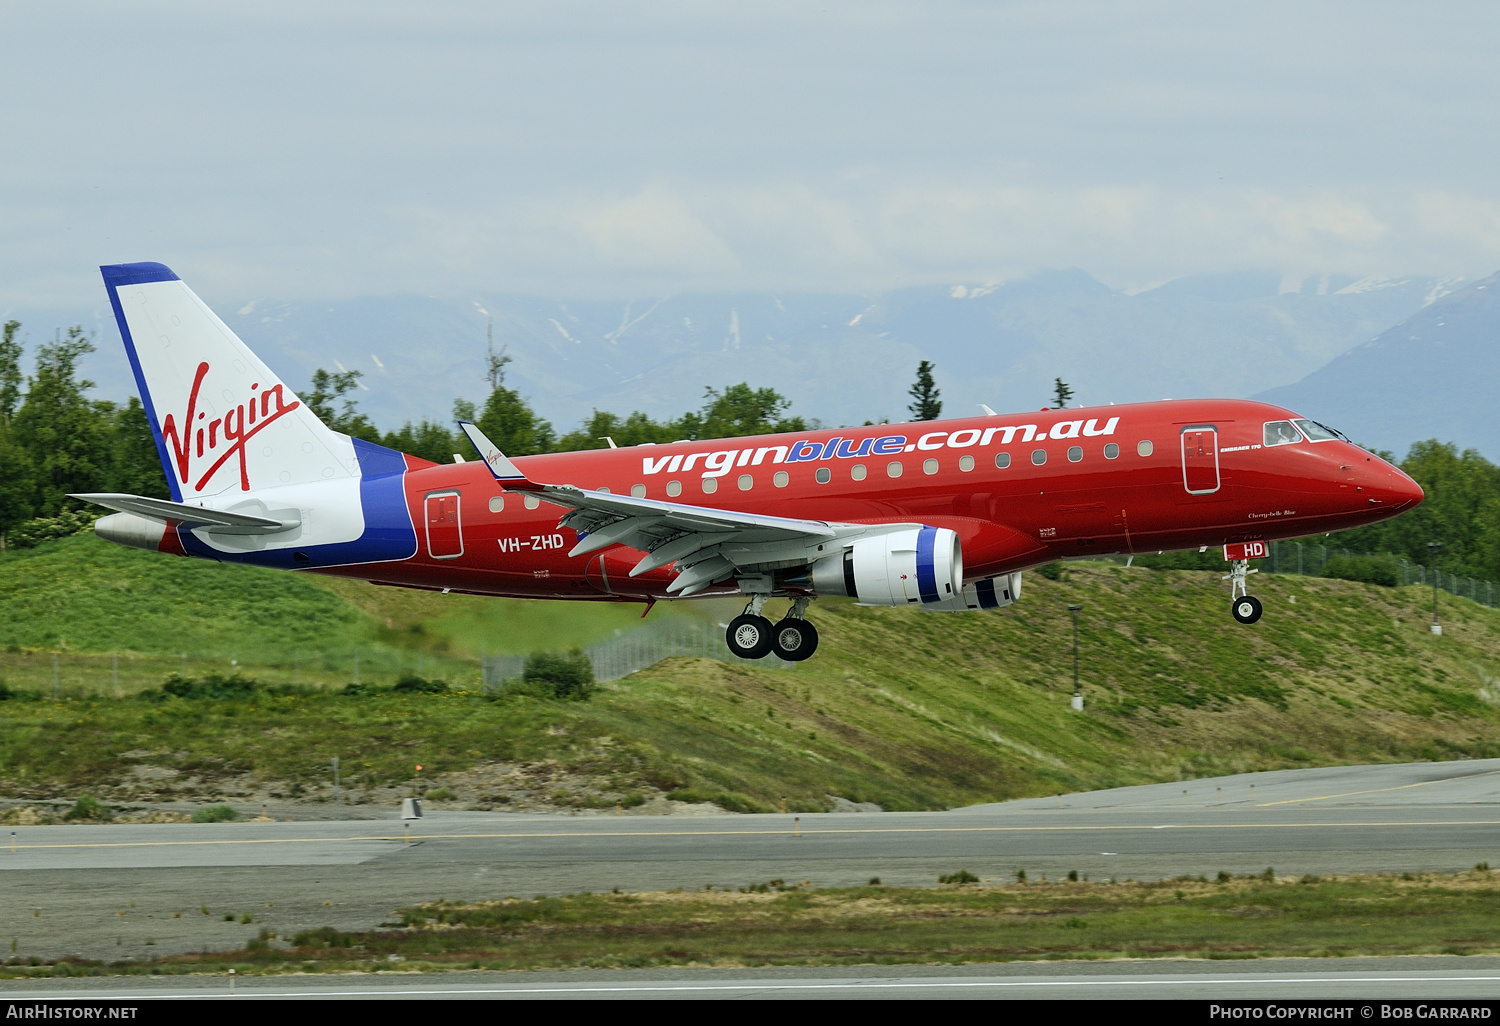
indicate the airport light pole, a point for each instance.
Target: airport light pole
{"x":1077,"y":695}
{"x":1433,"y":547}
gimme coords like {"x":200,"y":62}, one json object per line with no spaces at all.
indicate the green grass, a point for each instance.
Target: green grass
{"x":907,"y":709}
{"x":98,"y":612}
{"x":776,"y":924}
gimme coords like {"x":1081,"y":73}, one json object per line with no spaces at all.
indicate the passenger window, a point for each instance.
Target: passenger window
{"x":1075,"y":453}
{"x":929,"y":466}
{"x":857,"y":472}
{"x":1038,"y":456}
{"x":893,"y":468}
{"x":674,"y":488}
{"x":710,"y":485}
{"x":824,"y":475}
{"x":497,"y":503}
{"x":780,"y":479}
{"x":1144,"y":447}
{"x":532,"y":502}
{"x":639,"y":491}
{"x":1111,"y":451}
{"x":1002,"y":460}
{"x":746,"y":482}
{"x":1280,"y":432}
{"x":966,"y":463}
{"x":604,"y":489}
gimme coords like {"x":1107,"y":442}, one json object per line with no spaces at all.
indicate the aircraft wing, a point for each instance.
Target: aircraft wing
{"x":708,"y":545}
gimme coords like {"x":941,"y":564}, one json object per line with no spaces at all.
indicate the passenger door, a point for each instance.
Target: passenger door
{"x":1200,"y":459}
{"x":445,"y":539}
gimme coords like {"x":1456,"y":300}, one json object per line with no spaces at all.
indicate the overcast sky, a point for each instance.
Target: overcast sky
{"x":330,"y":150}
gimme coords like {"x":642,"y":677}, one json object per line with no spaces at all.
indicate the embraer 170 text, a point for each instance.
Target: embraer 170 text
{"x":938,"y":515}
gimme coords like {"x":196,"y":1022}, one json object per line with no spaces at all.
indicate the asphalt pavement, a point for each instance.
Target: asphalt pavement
{"x":130,"y":891}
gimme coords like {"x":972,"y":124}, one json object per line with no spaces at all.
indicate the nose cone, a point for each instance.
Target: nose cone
{"x":1388,"y":487}
{"x":1408,"y":492}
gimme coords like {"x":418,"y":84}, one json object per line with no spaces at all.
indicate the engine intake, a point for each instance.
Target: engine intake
{"x":916,"y":566}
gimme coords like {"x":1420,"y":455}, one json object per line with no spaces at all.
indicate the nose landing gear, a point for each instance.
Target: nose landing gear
{"x":1242,"y":606}
{"x":751,"y":635}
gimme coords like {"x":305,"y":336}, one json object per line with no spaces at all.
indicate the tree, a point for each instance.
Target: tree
{"x":1061,"y":393}
{"x":495,"y":362}
{"x":509,"y":422}
{"x":925,"y":395}
{"x":742,"y":410}
{"x":17,"y":485}
{"x":737,"y":410}
{"x":328,"y":388}
{"x":10,"y":371}
{"x":66,"y":435}
{"x":428,"y":440}
{"x":136,"y":463}
{"x":1462,"y":510}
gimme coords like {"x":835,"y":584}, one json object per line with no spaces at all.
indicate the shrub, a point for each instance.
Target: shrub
{"x":568,"y":676}
{"x":322,"y":937}
{"x":40,"y":529}
{"x":1051,"y":571}
{"x":1382,"y":569}
{"x":212,"y":685}
{"x":963,"y":876}
{"x":411,"y":684}
{"x":215,"y":814}
{"x":358,"y":689}
{"x":86,"y":807}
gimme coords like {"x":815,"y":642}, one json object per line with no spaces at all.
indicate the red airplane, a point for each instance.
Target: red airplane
{"x":940,"y":515}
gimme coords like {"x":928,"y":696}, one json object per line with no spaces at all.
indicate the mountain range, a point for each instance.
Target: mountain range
{"x":1433,"y":375}
{"x":850,"y":358}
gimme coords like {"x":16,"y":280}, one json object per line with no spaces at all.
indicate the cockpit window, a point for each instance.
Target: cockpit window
{"x":1281,"y":432}
{"x":1316,"y":432}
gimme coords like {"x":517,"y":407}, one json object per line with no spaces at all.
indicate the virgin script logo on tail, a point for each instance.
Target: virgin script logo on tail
{"x":198,"y":439}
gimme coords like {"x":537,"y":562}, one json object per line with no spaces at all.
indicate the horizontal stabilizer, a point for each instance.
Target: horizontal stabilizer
{"x":184,"y":513}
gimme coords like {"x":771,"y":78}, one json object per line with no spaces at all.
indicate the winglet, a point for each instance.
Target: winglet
{"x":506,"y":472}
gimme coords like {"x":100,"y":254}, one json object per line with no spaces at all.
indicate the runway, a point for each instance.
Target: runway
{"x":112,"y":892}
{"x":1440,"y":978}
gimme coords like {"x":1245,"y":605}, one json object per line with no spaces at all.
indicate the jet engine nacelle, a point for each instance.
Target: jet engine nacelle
{"x":990,"y":593}
{"x":921,"y":566}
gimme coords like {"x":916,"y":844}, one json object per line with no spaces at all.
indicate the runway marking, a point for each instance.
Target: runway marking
{"x":1376,"y":790}
{"x":805,"y":832}
{"x":698,"y":988}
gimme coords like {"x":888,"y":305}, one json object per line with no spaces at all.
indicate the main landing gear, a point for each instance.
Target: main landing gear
{"x":1243,"y":607}
{"x":751,"y":636}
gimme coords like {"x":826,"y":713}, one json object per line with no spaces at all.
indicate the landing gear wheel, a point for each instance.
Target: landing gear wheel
{"x":796,"y":639}
{"x":1246,"y":609}
{"x":749,"y":636}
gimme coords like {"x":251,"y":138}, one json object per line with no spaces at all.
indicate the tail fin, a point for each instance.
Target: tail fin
{"x":223,"y":422}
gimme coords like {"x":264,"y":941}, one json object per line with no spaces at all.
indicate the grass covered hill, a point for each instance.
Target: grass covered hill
{"x":902,"y":708}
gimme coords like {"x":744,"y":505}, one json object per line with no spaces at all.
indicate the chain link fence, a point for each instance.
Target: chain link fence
{"x":639,"y":649}
{"x":1311,"y":559}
